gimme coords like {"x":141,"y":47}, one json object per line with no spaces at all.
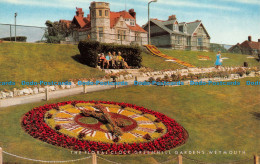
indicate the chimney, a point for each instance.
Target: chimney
{"x":172,"y":17}
{"x":132,"y":13}
{"x":249,"y":38}
{"x":79,"y":12}
{"x":259,"y":40}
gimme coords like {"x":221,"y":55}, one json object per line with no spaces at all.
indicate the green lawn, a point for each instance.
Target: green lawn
{"x":218,"y":118}
{"x":157,"y":63}
{"x":192,"y":58}
{"x":52,"y":62}
{"x":47,"y":62}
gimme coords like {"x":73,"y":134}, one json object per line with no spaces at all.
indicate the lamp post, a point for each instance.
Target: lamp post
{"x":15,"y":15}
{"x":149,"y":27}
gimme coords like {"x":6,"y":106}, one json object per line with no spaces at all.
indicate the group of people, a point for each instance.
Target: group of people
{"x":114,"y":61}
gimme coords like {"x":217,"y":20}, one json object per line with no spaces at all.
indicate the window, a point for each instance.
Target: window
{"x":118,"y":35}
{"x":100,"y":12}
{"x":137,"y":36}
{"x":185,"y":29}
{"x":188,"y":41}
{"x":100,"y":32}
{"x":200,"y":31}
{"x":106,"y":12}
{"x":121,"y":23}
{"x":179,"y":40}
{"x":200,"y":42}
{"x":124,"y":35}
{"x":176,"y":28}
{"x":132,"y":22}
{"x":121,"y":35}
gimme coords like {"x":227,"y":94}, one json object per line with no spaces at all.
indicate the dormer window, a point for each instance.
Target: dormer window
{"x":185,"y":28}
{"x":132,"y":22}
{"x":176,"y":27}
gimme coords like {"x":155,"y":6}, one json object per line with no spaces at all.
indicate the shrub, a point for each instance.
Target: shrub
{"x":151,"y":79}
{"x":49,"y":116}
{"x":116,"y":139}
{"x":248,"y":72}
{"x":157,"y":120}
{"x":159,"y":130}
{"x":123,"y":106}
{"x":158,"y":79}
{"x":240,"y":71}
{"x":89,"y":51}
{"x":57,"y":127}
{"x":147,"y":137}
{"x":81,"y":135}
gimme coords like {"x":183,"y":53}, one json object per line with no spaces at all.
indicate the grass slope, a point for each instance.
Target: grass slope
{"x":157,"y":63}
{"x":47,"y":62}
{"x":192,"y":58}
{"x":221,"y":118}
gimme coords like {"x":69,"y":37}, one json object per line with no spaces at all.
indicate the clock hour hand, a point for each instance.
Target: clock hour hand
{"x":105,"y":117}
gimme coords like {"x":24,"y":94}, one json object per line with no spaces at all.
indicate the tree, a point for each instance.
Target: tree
{"x":56,"y":31}
{"x":217,"y":47}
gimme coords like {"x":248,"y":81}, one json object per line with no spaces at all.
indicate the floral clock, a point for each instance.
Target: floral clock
{"x":102,"y":126}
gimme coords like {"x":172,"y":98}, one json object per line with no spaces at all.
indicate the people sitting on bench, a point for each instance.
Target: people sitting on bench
{"x":102,"y":61}
{"x":112,"y":61}
{"x":121,"y":61}
{"x":108,"y":60}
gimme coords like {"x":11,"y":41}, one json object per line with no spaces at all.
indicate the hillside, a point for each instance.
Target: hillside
{"x":53,"y":62}
{"x":47,"y":62}
{"x":192,"y":57}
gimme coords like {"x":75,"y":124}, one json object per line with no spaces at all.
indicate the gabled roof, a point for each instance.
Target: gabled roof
{"x":162,"y":24}
{"x":136,"y":28}
{"x":115,"y":16}
{"x":251,"y":45}
{"x":192,"y":26}
{"x":83,"y":22}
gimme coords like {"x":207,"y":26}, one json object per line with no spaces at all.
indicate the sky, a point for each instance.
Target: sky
{"x":227,"y":21}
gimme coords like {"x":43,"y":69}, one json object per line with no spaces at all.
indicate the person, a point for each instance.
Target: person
{"x":114,"y":60}
{"x":108,"y":59}
{"x":218,"y":62}
{"x":103,"y":60}
{"x":121,"y":61}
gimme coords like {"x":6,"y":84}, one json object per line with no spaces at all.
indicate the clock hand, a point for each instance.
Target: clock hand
{"x":104,"y":116}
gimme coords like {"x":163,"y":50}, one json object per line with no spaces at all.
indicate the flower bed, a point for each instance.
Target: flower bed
{"x":203,"y":57}
{"x":154,"y":50}
{"x":34,"y":123}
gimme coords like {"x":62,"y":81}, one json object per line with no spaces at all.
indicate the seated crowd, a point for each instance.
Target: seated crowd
{"x":112,"y":61}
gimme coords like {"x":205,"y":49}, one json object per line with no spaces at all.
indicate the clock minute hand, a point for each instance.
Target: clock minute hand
{"x":117,"y":131}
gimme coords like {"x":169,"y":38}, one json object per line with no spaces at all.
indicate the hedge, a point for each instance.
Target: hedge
{"x":89,"y":51}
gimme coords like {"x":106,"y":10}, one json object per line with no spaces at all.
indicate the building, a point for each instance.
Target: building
{"x":175,"y":35}
{"x":106,"y":26}
{"x":248,"y":47}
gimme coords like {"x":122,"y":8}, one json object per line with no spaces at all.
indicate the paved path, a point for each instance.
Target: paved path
{"x":60,"y":93}
{"x":69,"y":92}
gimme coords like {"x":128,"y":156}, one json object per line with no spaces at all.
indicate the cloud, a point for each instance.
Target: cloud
{"x":195,"y":5}
{"x":250,"y":2}
{"x":56,"y":3}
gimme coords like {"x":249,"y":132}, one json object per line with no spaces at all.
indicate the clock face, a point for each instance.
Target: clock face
{"x":133,"y":123}
{"x":108,"y":126}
